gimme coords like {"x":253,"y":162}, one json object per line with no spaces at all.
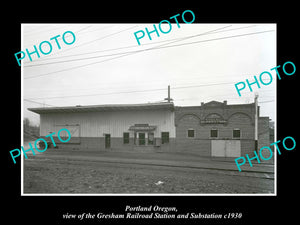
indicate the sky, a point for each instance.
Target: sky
{"x":105,"y":65}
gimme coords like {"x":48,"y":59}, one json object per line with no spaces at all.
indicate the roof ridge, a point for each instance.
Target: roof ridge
{"x":106,"y":107}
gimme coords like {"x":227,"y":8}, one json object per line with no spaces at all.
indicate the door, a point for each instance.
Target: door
{"x":142,"y":138}
{"x":225,"y":148}
{"x":150,"y":138}
{"x":107,"y":140}
{"x":233,"y":148}
{"x":218,"y":148}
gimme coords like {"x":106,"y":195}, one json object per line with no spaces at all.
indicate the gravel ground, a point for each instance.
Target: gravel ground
{"x":46,"y":175}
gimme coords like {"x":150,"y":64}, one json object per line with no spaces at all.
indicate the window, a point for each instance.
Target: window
{"x":191,"y":133}
{"x":164,"y":137}
{"x":150,"y":138}
{"x":236,"y":133}
{"x":125,"y":138}
{"x":213,"y":133}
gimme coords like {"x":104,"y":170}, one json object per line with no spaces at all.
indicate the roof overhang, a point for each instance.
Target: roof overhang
{"x":104,"y":108}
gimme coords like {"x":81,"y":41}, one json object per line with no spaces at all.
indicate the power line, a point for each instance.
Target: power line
{"x":214,"y":39}
{"x":27,"y":100}
{"x":121,"y":53}
{"x":79,"y":31}
{"x":57,"y":27}
{"x":101,"y":38}
{"x":150,"y":90}
{"x":85,"y":43}
{"x":98,"y":29}
{"x":156,"y":89}
{"x":138,"y":91}
{"x":192,"y":78}
{"x":71,"y":60}
{"x":266,"y":101}
{"x":134,"y":46}
{"x":182,"y":81}
{"x":125,"y":54}
{"x":154,"y":48}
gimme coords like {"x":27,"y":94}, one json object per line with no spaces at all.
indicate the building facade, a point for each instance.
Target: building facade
{"x":114,"y":127}
{"x":214,"y":129}
{"x":219,"y":130}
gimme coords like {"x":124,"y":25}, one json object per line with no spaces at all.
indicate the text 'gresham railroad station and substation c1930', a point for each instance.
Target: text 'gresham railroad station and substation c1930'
{"x":152,"y":212}
{"x":156,"y":215}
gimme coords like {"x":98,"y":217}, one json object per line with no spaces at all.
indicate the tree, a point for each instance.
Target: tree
{"x":26,"y":122}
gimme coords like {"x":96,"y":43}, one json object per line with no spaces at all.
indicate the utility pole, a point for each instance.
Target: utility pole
{"x":256,"y":122}
{"x":169,"y":99}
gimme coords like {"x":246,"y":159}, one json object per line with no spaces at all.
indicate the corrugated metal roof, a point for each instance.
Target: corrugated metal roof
{"x":102,"y":108}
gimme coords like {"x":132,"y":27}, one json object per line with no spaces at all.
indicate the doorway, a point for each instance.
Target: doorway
{"x":142,"y":138}
{"x":225,"y":148}
{"x":107,"y":140}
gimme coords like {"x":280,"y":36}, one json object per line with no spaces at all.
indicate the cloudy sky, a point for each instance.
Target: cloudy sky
{"x":105,"y":65}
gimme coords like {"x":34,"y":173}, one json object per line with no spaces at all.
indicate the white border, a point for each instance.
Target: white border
{"x":275,"y":124}
{"x":22,"y":115}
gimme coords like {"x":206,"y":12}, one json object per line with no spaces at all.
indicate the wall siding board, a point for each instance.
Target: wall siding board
{"x":96,"y":124}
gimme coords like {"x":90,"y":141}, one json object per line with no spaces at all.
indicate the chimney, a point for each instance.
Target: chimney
{"x":225,"y":102}
{"x":169,"y":95}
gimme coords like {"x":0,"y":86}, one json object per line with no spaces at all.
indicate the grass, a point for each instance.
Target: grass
{"x":63,"y":174}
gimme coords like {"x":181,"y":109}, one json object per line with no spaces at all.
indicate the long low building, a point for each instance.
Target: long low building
{"x":212,"y":129}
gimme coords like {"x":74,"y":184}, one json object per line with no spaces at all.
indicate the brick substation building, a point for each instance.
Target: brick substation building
{"x":213,"y":129}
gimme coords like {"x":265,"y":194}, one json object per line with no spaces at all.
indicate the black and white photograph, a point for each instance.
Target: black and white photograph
{"x":148,"y":113}
{"x":158,"y":114}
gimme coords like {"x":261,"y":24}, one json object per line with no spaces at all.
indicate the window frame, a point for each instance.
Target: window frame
{"x":236,"y":129}
{"x":163,"y":141}
{"x":194,"y":133}
{"x":214,"y":129}
{"x":126,"y":140}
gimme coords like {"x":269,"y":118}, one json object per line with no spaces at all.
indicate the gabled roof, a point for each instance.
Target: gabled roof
{"x":103,"y":108}
{"x":213,"y":103}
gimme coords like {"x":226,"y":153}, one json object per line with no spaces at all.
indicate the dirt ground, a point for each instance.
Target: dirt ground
{"x":62,"y":173}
